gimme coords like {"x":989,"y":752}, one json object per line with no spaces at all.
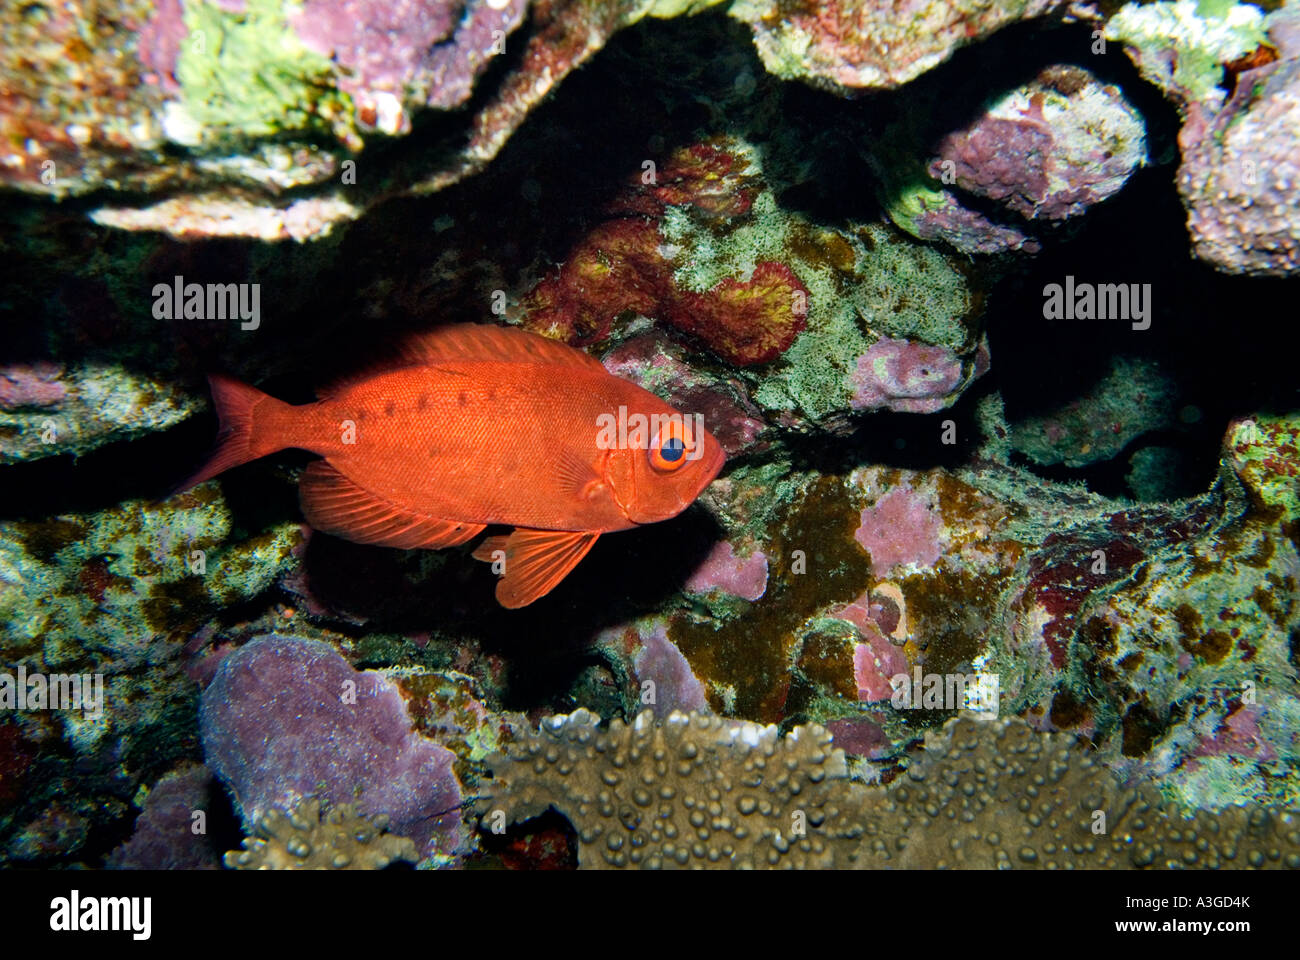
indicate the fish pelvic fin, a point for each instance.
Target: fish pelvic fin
{"x":252,"y":426}
{"x":533,"y":562}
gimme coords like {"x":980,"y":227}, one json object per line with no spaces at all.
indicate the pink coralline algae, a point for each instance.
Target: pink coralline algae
{"x":727,"y":573}
{"x":31,"y":385}
{"x":658,"y":661}
{"x":159,"y":43}
{"x":872,"y":43}
{"x":877,"y":611}
{"x":1241,"y":166}
{"x":165,"y":837}
{"x":287,"y":718}
{"x":907,"y":377}
{"x":902,"y":527}
{"x":1000,"y":159}
{"x":431,"y":49}
{"x":879,"y":656}
{"x":874,"y":662}
{"x":1049,"y":149}
{"x":1240,"y":736}
{"x":860,"y":736}
{"x":968,"y":231}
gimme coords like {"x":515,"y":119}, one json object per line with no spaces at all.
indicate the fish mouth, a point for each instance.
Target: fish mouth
{"x":712,"y":463}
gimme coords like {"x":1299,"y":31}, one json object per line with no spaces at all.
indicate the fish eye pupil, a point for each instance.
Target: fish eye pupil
{"x":672,"y":449}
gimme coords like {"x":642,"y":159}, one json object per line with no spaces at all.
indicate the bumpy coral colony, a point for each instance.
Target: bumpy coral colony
{"x":1002,"y":570}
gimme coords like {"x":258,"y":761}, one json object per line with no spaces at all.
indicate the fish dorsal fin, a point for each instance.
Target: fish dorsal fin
{"x":535,"y":561}
{"x":334,"y":504}
{"x":472,"y":341}
{"x":469,"y":341}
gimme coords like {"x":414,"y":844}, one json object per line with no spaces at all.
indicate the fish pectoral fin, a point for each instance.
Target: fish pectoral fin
{"x":334,"y":504}
{"x":577,"y":477}
{"x":533,"y":561}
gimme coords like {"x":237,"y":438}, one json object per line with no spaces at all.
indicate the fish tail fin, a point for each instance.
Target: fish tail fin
{"x":251,"y":427}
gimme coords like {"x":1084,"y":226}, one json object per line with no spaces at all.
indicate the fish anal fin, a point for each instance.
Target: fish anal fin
{"x":535,"y":561}
{"x":334,"y":504}
{"x":488,"y":550}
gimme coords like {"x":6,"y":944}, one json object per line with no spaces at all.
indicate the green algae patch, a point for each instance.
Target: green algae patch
{"x":131,"y":580}
{"x":247,"y":75}
{"x":1200,"y":36}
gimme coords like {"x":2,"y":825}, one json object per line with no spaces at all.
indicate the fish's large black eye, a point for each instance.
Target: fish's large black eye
{"x":669,"y":449}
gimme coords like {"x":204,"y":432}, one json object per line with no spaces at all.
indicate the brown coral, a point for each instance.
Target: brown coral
{"x":693,"y":791}
{"x":711,"y":793}
{"x":1002,"y":795}
{"x":341,"y":839}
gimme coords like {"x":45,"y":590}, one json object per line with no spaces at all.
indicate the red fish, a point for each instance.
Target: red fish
{"x":479,"y":425}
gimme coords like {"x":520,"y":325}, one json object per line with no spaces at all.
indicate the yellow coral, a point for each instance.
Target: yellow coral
{"x":303,"y":839}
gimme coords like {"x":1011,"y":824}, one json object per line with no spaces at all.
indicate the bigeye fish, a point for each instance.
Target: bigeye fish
{"x":475,"y":426}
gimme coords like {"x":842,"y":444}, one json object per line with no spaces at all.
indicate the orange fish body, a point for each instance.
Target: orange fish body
{"x":477,"y":426}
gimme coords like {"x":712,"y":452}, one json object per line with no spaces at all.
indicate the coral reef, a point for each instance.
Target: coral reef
{"x":845,"y":45}
{"x":692,"y":790}
{"x":286,"y":719}
{"x":758,"y":284}
{"x":998,"y":796}
{"x":1086,"y":611}
{"x":1241,"y":164}
{"x":1234,"y":74}
{"x":235,"y":103}
{"x":702,"y":792}
{"x":47,"y":409}
{"x":171,"y":831}
{"x":1046,"y":150}
{"x":1134,"y":397}
{"x":1181,"y":46}
{"x":749,"y":315}
{"x":306,"y":839}
{"x":982,"y":584}
{"x":128,"y":582}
